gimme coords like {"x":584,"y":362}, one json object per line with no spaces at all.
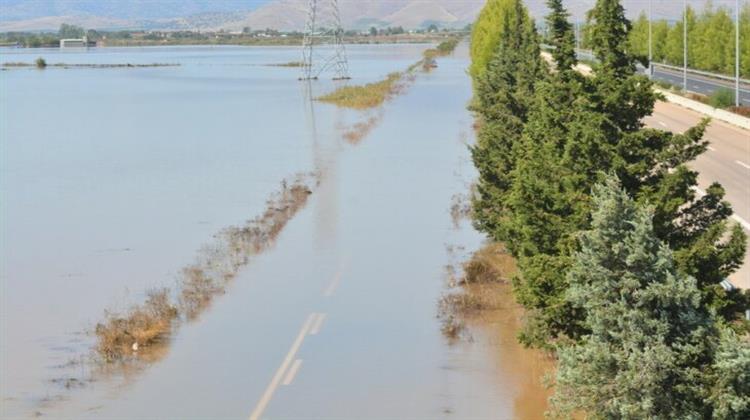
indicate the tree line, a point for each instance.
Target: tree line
{"x":620,"y":260}
{"x":710,"y":36}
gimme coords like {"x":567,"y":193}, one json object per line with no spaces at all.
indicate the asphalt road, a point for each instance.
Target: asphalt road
{"x":696,"y":83}
{"x":726,"y":161}
{"x":700,"y":84}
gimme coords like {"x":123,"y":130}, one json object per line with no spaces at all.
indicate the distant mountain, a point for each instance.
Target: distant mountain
{"x":228,"y":14}
{"x":120,"y":9}
{"x":33,"y":15}
{"x":361,"y":14}
{"x":234,"y":15}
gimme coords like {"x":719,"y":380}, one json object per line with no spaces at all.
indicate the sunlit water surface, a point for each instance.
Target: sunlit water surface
{"x":114,"y":179}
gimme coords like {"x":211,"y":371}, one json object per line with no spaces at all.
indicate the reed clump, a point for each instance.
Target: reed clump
{"x":208,"y":278}
{"x":481,"y":290}
{"x":142,"y":326}
{"x":491,"y":264}
{"x":139,"y":330}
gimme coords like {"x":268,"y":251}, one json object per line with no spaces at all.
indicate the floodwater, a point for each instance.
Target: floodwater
{"x":113,"y":180}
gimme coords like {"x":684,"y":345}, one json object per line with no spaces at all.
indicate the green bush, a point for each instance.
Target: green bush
{"x":40,"y":63}
{"x":721,"y":98}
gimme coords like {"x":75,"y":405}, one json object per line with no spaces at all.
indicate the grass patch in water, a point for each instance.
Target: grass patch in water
{"x":365,"y":96}
{"x":146,"y":327}
{"x":143,"y":326}
{"x":289,"y":64}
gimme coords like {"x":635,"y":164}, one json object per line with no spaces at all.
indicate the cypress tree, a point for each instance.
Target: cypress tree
{"x":730,"y":393}
{"x":503,"y":95}
{"x":651,"y":341}
{"x":580,"y":128}
{"x":561,"y":36}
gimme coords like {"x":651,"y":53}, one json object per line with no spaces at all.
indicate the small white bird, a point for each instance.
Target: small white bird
{"x":135,"y":346}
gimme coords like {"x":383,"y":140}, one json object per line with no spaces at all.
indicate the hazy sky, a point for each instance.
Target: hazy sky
{"x":127,"y":9}
{"x":154,"y":9}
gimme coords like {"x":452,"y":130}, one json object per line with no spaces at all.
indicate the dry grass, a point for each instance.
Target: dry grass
{"x":367,"y":96}
{"x":482,"y":289}
{"x":697,"y":97}
{"x":491,"y":264}
{"x":139,"y":330}
{"x":740,"y":110}
{"x":40,"y":63}
{"x":220,"y":263}
{"x":375,"y":94}
{"x":360,"y":130}
{"x":289,"y":64}
{"x":143,"y":326}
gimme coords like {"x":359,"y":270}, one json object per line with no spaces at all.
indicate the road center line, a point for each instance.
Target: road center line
{"x":662,"y":123}
{"x":317,"y":324}
{"x":743,"y":164}
{"x":711,"y":149}
{"x":268,"y":393}
{"x":292,"y":372}
{"x":334,"y":283}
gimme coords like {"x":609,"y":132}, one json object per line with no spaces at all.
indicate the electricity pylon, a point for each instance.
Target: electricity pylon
{"x":323,"y":44}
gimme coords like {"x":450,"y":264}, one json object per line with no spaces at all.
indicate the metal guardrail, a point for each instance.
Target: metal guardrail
{"x":701,"y":73}
{"x":590,"y":54}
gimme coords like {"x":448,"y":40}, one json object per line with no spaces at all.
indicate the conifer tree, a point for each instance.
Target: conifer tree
{"x":577,"y":130}
{"x":651,"y":343}
{"x":730,"y":393}
{"x":561,"y":36}
{"x":503,"y":95}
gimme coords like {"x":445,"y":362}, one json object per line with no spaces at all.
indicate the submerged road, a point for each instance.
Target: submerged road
{"x":338,"y":320}
{"x":726,"y":161}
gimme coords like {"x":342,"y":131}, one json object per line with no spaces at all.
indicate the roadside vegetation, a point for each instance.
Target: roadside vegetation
{"x":146,"y":327}
{"x":477,"y":287}
{"x":710,"y":39}
{"x":618,"y":259}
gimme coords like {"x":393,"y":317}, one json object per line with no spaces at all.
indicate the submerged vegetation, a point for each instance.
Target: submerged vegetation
{"x":41,"y":63}
{"x":366,"y":96}
{"x":619,"y":260}
{"x":144,"y":327}
{"x":481,"y":287}
{"x":360,"y":130}
{"x":289,"y":64}
{"x":374,"y":94}
{"x":444,"y":48}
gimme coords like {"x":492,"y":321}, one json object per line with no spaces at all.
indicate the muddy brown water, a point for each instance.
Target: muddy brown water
{"x":113,"y":181}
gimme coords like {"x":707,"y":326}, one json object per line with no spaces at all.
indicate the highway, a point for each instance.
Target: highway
{"x":696,"y":82}
{"x":726,"y":161}
{"x":700,"y":84}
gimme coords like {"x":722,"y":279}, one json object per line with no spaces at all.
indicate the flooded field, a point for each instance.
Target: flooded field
{"x":115,"y":180}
